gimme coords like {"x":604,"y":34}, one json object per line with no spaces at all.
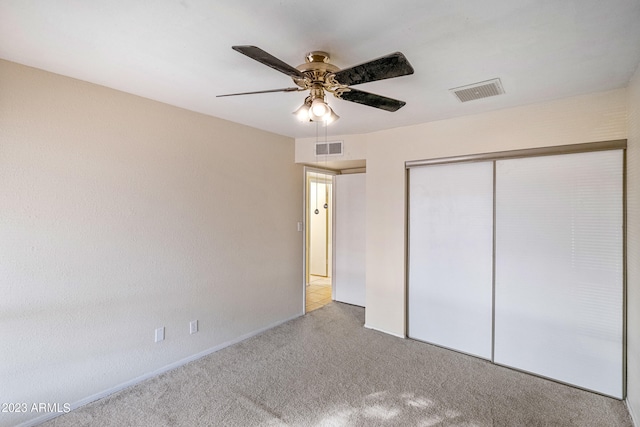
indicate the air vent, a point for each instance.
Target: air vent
{"x":332,"y":148}
{"x":478,"y":90}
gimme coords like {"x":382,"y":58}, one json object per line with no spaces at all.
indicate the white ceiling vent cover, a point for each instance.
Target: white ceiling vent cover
{"x":331,"y":148}
{"x":478,"y":90}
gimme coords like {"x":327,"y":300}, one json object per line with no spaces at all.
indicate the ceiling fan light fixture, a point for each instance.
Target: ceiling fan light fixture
{"x":319,"y":110}
{"x":305,"y":112}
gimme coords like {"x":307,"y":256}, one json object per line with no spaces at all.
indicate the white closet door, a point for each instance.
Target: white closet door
{"x":559,"y":268}
{"x":349,"y":280}
{"x":450,"y":256}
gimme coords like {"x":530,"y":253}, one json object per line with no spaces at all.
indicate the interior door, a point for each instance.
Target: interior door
{"x":350,"y":239}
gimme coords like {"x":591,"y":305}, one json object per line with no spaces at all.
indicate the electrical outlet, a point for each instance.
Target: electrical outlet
{"x":160,"y":334}
{"x":193,"y":326}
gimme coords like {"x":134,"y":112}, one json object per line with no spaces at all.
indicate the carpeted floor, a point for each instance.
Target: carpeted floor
{"x":326,"y":369}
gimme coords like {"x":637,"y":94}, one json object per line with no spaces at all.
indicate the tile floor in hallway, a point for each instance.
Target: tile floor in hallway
{"x":318,"y":292}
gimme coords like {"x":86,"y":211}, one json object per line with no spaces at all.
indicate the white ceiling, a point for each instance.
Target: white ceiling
{"x":179,"y":52}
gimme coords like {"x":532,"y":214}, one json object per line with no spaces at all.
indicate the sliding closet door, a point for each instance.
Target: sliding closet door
{"x":450,"y":255}
{"x":559,"y":268}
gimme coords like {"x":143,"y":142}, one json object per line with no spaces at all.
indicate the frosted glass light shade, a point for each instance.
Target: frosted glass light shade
{"x":332,"y":117}
{"x":302,"y":113}
{"x":319,"y":108}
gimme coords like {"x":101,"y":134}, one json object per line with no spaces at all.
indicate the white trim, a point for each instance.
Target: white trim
{"x":385,"y":332}
{"x":634,"y":419}
{"x":333,"y":237}
{"x":39,"y":420}
{"x":618,"y":144}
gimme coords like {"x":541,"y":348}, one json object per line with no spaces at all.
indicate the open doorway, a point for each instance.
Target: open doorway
{"x":318,"y":238}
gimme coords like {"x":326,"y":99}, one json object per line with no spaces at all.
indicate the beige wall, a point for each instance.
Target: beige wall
{"x":120,"y":215}
{"x":633,"y":250}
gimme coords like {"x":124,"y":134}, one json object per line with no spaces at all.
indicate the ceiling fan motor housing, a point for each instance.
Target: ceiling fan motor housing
{"x":318,"y":75}
{"x":317,"y":56}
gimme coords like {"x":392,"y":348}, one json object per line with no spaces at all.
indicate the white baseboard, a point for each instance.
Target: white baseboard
{"x":39,"y":420}
{"x":634,"y":419}
{"x":383,"y":331}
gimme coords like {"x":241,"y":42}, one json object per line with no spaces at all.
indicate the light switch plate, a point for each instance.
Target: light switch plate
{"x":160,"y":334}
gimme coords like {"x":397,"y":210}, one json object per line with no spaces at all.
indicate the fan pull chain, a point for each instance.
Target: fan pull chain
{"x":316,"y":211}
{"x":326,"y":205}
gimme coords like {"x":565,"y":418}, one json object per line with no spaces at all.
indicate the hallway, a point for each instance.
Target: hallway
{"x":318,"y":292}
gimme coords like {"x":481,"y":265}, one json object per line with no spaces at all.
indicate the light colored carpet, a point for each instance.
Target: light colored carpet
{"x":326,"y":369}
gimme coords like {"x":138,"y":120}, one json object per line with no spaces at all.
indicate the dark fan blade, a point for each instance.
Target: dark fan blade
{"x":393,"y":65}
{"x":267,"y":59}
{"x":287,"y":89}
{"x":372,"y":100}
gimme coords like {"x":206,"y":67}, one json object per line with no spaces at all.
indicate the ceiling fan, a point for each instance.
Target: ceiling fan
{"x":318,"y":76}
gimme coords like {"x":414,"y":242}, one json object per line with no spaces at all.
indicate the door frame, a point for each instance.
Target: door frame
{"x":305,"y":260}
